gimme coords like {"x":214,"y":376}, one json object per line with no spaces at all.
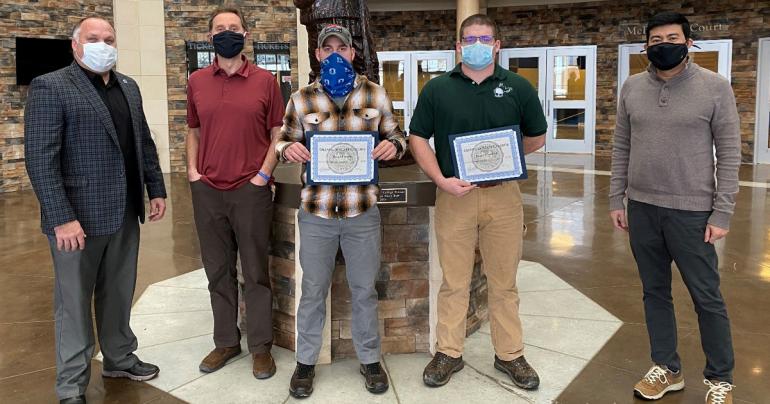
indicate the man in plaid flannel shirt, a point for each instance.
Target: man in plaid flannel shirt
{"x":334,"y":216}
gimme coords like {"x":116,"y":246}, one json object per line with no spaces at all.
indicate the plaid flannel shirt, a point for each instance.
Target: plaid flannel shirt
{"x":366,"y":108}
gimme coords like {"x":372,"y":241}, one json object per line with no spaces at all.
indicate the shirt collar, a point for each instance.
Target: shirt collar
{"x":97,"y":78}
{"x":317,"y":86}
{"x":689,"y":70}
{"x":243,"y":71}
{"x":498,"y":74}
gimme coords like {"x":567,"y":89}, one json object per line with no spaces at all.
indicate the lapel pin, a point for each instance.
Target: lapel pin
{"x":125,"y":81}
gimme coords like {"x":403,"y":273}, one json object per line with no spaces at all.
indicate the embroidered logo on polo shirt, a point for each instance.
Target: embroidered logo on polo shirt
{"x":501,"y":90}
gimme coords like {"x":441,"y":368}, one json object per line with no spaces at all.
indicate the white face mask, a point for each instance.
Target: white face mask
{"x":99,"y":57}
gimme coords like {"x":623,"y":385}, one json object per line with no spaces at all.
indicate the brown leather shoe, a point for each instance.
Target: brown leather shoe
{"x":218,"y":358}
{"x":263,"y":365}
{"x":375,"y":378}
{"x":440,"y":369}
{"x":520,"y":372}
{"x":301,"y":384}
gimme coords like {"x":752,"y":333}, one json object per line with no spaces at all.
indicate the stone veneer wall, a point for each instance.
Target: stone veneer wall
{"x":38,"y":19}
{"x":282,"y":275}
{"x":269,"y":21}
{"x":402,"y":286}
{"x":605,"y":24}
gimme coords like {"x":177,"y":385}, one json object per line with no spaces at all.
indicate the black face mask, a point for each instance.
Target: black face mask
{"x":666,"y":55}
{"x":228,"y":44}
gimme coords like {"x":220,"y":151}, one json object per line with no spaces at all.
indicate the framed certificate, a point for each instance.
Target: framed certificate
{"x":489,"y":155}
{"x":341,"y":158}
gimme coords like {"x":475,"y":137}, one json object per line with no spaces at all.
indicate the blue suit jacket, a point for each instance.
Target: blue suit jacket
{"x":72,"y":153}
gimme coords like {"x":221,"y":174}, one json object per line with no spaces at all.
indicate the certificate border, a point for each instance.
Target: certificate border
{"x":372,"y":175}
{"x":456,"y":141}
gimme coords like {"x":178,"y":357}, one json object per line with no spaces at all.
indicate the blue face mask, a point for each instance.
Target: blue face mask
{"x":337,"y":75}
{"x":477,"y":56}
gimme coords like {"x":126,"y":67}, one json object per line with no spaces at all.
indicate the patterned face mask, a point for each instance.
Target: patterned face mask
{"x":337,"y":75}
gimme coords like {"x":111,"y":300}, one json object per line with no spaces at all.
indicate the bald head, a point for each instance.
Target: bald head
{"x":91,"y":30}
{"x":92,"y":27}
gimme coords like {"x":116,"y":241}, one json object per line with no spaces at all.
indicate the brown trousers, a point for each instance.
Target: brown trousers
{"x":231,"y":223}
{"x":493,"y":217}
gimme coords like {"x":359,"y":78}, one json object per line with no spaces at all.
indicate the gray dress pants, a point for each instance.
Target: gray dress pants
{"x":104,"y":271}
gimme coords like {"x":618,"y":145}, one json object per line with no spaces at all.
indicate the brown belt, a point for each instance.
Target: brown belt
{"x":490,"y":184}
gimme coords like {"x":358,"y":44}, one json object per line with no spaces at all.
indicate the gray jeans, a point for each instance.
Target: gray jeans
{"x":105,"y":271}
{"x":359,"y":238}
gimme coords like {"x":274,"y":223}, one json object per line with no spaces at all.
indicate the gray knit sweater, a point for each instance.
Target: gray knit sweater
{"x":666,"y":132}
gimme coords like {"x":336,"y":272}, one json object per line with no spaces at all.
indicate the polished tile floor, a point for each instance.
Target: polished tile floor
{"x":569,"y":233}
{"x":174,"y":324}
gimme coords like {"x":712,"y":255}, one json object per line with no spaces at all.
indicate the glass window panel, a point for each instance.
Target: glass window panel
{"x":399,"y":115}
{"x":392,"y":78}
{"x":569,"y":81}
{"x":569,"y":124}
{"x":428,"y":69}
{"x":637,"y":63}
{"x":708,"y":60}
{"x":526,"y":67}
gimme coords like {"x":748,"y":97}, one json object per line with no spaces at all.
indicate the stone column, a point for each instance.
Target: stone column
{"x":141,"y":37}
{"x":467,"y":8}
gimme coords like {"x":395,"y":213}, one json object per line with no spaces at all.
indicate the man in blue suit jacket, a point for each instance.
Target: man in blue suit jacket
{"x":90,"y":155}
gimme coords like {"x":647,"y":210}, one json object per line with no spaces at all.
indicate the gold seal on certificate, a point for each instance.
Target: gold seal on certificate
{"x":341,"y":158}
{"x":489,"y":155}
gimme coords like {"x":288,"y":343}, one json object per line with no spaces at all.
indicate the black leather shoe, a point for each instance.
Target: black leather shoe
{"x":139,"y":372}
{"x":520,"y":372}
{"x":375,"y":378}
{"x":440,"y":369}
{"x":301,"y":384}
{"x":74,"y":400}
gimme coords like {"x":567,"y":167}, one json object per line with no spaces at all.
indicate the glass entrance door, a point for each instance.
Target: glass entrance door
{"x":565,"y":80}
{"x":404,"y":74}
{"x":714,"y":55}
{"x":762,"y":141}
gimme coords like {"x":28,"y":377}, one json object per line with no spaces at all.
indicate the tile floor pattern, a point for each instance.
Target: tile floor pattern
{"x":563,"y":330}
{"x":565,"y":206}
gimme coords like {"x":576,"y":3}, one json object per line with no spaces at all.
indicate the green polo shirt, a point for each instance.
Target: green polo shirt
{"x":453,"y":103}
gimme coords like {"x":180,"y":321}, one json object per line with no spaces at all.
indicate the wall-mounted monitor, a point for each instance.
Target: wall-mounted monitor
{"x":38,"y":56}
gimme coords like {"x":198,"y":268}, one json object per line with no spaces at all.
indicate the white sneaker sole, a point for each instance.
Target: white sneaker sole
{"x":673,"y":387}
{"x":126,"y":375}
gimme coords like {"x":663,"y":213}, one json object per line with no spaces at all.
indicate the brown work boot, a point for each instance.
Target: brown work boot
{"x":520,"y":372}
{"x":657,"y":382}
{"x":218,"y":358}
{"x":375,"y":378}
{"x":440,"y":369}
{"x":719,"y":392}
{"x":301,"y":384}
{"x":263,"y":365}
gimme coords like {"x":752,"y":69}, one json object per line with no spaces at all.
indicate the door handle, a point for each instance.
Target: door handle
{"x":548,"y":107}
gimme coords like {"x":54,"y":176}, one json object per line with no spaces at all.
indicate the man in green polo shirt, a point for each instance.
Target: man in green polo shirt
{"x":477,"y":95}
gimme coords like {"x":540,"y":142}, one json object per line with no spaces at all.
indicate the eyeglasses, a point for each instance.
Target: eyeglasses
{"x":471,"y":39}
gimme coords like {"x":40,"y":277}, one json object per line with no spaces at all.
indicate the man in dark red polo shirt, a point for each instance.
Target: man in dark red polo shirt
{"x":234,"y":109}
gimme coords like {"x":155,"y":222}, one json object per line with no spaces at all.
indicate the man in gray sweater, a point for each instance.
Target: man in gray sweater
{"x":670,"y":120}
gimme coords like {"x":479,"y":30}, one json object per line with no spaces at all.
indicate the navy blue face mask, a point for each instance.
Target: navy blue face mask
{"x":337,"y":75}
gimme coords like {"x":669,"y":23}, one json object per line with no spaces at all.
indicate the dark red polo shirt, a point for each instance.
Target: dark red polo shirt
{"x":235,"y":114}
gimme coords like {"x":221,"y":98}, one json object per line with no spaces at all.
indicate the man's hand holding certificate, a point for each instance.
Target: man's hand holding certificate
{"x":489,"y":156}
{"x":340,"y":158}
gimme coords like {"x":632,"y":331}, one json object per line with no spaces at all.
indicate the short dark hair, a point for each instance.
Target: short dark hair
{"x":478,"y":19}
{"x":225,"y":10}
{"x":669,"y":18}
